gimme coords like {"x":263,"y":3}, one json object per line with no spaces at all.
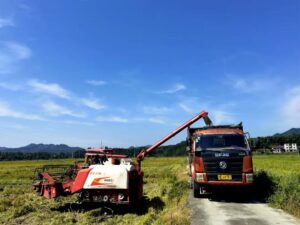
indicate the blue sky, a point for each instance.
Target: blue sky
{"x":128,"y":72}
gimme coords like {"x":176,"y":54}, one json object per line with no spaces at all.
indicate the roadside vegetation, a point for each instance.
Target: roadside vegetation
{"x":278,"y":180}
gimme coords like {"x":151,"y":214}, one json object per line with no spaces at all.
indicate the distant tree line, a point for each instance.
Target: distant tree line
{"x":268,"y":142}
{"x":167,"y":150}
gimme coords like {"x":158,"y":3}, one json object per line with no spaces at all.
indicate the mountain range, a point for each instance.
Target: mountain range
{"x":292,"y":131}
{"x":51,"y":148}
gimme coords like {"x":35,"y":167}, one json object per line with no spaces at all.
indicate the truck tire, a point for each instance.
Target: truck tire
{"x":196,"y":190}
{"x":191,"y":185}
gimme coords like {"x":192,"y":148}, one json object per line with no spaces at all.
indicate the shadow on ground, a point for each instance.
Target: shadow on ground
{"x":140,"y":208}
{"x":263,"y":188}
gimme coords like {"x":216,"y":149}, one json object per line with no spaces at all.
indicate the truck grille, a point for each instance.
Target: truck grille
{"x":234,"y":167}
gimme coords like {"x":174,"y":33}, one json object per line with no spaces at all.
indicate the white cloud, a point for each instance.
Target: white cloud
{"x":6,"y":23}
{"x":251,"y":85}
{"x":114,"y":119}
{"x":192,"y":104}
{"x":10,"y":86}
{"x":219,"y":115}
{"x":73,"y":122}
{"x":96,"y":82}
{"x":49,"y":88}
{"x":93,"y":103}
{"x":18,"y":127}
{"x":25,"y":7}
{"x":174,"y":89}
{"x":156,"y":120}
{"x":18,"y":50}
{"x":291,"y":107}
{"x":187,"y":108}
{"x":54,"y":109}
{"x":119,"y":119}
{"x":156,"y":110}
{"x":10,"y":54}
{"x":7,"y":111}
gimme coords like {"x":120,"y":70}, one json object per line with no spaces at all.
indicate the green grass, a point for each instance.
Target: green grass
{"x":166,"y":193}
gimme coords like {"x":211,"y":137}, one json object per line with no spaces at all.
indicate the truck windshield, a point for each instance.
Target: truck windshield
{"x":205,"y":142}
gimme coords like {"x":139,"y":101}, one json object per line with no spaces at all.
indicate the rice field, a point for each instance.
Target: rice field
{"x":166,"y":193}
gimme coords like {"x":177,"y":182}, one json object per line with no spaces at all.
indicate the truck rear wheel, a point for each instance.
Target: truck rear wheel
{"x":196,"y":190}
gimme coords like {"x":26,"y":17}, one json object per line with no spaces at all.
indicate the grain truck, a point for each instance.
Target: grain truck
{"x":218,"y":156}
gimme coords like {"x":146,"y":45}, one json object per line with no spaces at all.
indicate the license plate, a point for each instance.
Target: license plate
{"x":224,"y":177}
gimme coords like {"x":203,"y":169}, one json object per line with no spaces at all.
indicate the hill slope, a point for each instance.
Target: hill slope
{"x":292,"y":131}
{"x":50,"y":148}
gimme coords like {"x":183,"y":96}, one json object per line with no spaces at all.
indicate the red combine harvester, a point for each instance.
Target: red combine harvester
{"x":106,"y":177}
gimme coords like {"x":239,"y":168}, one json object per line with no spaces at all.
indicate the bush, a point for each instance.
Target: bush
{"x":287,"y":194}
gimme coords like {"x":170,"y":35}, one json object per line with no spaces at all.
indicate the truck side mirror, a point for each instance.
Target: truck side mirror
{"x":250,"y":142}
{"x":251,"y":145}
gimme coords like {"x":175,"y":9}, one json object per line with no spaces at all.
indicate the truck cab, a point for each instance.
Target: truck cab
{"x":219,"y":156}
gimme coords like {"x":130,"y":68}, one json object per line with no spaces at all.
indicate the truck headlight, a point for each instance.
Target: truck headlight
{"x":200,"y":177}
{"x":249,"y":177}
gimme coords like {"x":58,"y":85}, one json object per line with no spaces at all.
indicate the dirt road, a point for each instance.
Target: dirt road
{"x":225,"y":212}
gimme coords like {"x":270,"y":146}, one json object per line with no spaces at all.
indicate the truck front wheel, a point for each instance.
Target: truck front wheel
{"x":196,"y":190}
